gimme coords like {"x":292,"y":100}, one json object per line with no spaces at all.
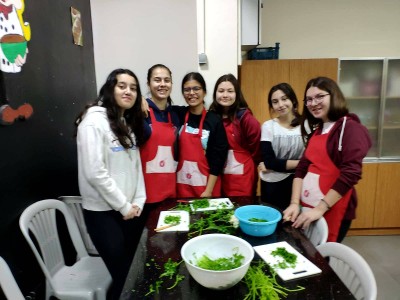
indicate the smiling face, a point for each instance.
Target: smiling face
{"x":125,"y":91}
{"x":160,"y":84}
{"x":281,"y":104}
{"x":225,"y":94}
{"x":319,"y":103}
{"x":193,"y":93}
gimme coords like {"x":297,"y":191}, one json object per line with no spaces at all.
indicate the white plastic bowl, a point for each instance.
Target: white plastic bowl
{"x":216,"y":246}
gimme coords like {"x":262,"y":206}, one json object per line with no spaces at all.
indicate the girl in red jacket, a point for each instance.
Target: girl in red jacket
{"x":332,"y":162}
{"x":243,"y":132}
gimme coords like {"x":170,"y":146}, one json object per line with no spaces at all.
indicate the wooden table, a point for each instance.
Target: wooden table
{"x":155,"y":249}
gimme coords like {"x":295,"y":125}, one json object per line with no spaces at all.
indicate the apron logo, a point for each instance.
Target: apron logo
{"x":306,"y":193}
{"x":162,"y":163}
{"x":188,"y":176}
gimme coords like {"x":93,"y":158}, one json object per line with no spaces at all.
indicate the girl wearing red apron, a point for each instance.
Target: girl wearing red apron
{"x":243,"y":132}
{"x":202,"y":144}
{"x":332,"y":163}
{"x":158,"y":153}
{"x":158,"y":163}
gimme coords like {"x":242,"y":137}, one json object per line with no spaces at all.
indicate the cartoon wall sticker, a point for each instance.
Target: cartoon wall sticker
{"x":14,"y":37}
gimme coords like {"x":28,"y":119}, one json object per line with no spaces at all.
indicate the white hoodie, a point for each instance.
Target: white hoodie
{"x":110,"y":176}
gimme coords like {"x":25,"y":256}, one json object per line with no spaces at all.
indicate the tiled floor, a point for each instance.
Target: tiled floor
{"x":383,"y":255}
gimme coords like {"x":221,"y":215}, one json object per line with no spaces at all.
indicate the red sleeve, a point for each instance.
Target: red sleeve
{"x":251,"y":135}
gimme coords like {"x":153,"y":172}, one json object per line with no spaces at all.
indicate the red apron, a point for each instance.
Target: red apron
{"x":239,"y":172}
{"x":193,"y":170}
{"x":158,"y":162}
{"x":322,"y":173}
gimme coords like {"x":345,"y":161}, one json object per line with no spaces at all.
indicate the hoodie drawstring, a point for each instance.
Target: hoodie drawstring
{"x":341,"y":134}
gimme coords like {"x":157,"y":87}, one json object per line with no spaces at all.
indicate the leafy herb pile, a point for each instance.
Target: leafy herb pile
{"x":220,"y":264}
{"x":219,"y":220}
{"x":172,"y":219}
{"x":262,"y":286}
{"x":200,"y":203}
{"x":170,"y":271}
{"x":257,"y":220}
{"x":289,"y":259}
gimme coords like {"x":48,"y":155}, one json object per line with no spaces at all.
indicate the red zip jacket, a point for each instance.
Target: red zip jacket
{"x":347,"y":146}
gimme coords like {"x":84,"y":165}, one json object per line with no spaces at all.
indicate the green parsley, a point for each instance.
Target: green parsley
{"x":289,"y":259}
{"x":213,"y":221}
{"x":257,"y":220}
{"x":262,"y":286}
{"x":172,"y":219}
{"x":220,"y":264}
{"x":200,"y":203}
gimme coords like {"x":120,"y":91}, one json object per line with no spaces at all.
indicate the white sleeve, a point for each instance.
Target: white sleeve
{"x":267,"y":131}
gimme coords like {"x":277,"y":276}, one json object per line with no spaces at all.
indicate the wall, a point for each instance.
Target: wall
{"x":138,"y":34}
{"x":221,"y":41}
{"x":38,"y":156}
{"x":332,"y":29}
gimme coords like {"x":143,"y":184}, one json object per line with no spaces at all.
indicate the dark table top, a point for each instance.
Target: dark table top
{"x":155,"y":248}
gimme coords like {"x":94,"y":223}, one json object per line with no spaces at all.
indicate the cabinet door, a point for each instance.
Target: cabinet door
{"x":256,"y":79}
{"x":250,"y":22}
{"x":391,"y":113}
{"x":387,"y":202}
{"x":361,"y":84}
{"x":302,"y":70}
{"x":366,"y":192}
{"x":258,"y":76}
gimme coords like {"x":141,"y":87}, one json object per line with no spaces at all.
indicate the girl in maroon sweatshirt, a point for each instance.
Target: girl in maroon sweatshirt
{"x":332,"y":163}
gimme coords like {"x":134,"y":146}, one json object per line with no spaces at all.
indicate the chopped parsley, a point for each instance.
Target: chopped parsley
{"x":172,"y":219}
{"x":220,"y":264}
{"x":289,"y":259}
{"x":257,"y":220}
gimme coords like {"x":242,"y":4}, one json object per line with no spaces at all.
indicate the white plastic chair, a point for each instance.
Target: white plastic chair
{"x":352,"y":269}
{"x":87,"y":278}
{"x":8,"y":284}
{"x":318,"y":231}
{"x":74,"y":203}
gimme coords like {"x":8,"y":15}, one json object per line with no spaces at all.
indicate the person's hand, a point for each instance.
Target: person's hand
{"x":135,"y":211}
{"x":145,"y":107}
{"x":262,"y":168}
{"x":205,"y":194}
{"x":291,"y":212}
{"x":307,"y":217}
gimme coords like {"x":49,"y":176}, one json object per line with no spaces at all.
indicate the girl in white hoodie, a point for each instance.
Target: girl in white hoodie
{"x":109,"y":133}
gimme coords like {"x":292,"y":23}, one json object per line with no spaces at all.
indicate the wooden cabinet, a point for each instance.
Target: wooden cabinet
{"x":378,"y":200}
{"x":258,"y":76}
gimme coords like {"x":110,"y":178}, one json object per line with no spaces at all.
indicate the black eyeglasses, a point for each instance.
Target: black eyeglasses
{"x":318,"y":99}
{"x":195,"y":89}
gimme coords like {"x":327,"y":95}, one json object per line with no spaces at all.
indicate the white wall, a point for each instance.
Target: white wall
{"x":137,"y":34}
{"x":326,"y":28}
{"x":221,"y":41}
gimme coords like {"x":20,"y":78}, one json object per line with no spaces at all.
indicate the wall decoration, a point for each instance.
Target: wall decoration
{"x":76,"y":26}
{"x":14,"y":37}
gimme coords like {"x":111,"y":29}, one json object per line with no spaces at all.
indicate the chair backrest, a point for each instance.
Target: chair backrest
{"x":8,"y":284}
{"x":318,"y":231}
{"x":40,"y":219}
{"x":74,"y":203}
{"x":352,"y":269}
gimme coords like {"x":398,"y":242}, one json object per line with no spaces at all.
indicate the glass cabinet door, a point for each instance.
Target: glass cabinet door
{"x":361,"y":84}
{"x":391,"y":113}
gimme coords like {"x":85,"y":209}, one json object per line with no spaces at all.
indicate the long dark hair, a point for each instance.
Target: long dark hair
{"x":150,"y":73}
{"x":240,"y":102}
{"x":133,"y":116}
{"x":289,"y":92}
{"x":337,"y":108}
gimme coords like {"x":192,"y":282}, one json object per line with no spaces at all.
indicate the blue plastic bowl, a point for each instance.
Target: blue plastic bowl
{"x":272,"y":215}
